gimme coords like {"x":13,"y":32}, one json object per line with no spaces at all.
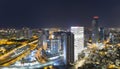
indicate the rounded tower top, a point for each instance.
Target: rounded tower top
{"x":96,"y":17}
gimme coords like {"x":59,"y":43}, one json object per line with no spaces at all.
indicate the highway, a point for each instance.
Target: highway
{"x":34,"y":64}
{"x":11,"y":56}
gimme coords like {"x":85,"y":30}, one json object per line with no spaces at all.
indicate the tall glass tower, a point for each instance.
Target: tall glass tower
{"x":78,"y":40}
{"x":95,"y":31}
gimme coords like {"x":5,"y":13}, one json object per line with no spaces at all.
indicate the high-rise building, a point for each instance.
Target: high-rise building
{"x":113,"y":35}
{"x":78,"y":40}
{"x":101,"y":34}
{"x":95,"y":32}
{"x":27,"y":33}
{"x":55,"y":44}
{"x":68,"y":44}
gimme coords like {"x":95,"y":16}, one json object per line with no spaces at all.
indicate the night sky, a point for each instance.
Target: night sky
{"x":58,"y":13}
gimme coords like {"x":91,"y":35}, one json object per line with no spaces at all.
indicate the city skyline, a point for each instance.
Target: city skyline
{"x":51,"y":47}
{"x":51,"y":13}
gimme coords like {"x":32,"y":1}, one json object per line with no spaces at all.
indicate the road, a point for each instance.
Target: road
{"x":8,"y":57}
{"x":34,"y":64}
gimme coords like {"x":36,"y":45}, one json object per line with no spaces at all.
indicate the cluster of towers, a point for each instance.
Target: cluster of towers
{"x":97,"y":32}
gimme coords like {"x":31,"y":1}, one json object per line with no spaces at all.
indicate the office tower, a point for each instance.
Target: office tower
{"x":95,"y":32}
{"x":101,"y":34}
{"x":27,"y":33}
{"x":11,"y":31}
{"x":55,"y":46}
{"x":111,"y":37}
{"x":68,"y":46}
{"x":44,"y":38}
{"x":87,"y":36}
{"x":40,"y":38}
{"x":46,"y":33}
{"x":78,"y":40}
{"x":59,"y":36}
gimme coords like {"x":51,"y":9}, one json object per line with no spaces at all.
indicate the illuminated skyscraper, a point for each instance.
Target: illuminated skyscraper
{"x":95,"y":32}
{"x":78,"y":40}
